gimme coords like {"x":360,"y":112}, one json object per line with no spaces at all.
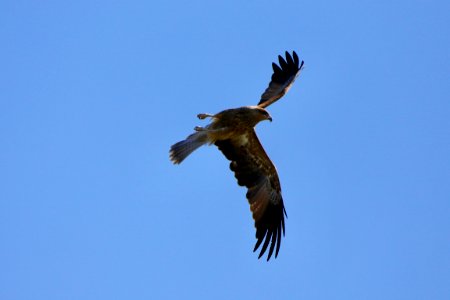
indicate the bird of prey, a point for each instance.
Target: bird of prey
{"x":232,"y":131}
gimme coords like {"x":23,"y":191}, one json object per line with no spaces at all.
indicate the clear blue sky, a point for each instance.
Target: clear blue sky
{"x":93,"y":93}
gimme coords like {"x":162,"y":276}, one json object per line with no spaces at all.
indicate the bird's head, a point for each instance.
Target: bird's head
{"x":261,"y":114}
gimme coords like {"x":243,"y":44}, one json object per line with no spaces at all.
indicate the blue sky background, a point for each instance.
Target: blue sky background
{"x":93,"y":93}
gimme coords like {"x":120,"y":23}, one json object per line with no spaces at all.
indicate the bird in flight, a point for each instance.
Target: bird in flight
{"x":232,"y":131}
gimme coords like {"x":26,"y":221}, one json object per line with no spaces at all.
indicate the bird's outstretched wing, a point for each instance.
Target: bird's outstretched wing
{"x":282,"y":78}
{"x":253,"y":169}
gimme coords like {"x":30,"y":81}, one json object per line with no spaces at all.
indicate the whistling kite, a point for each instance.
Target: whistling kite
{"x":232,"y":131}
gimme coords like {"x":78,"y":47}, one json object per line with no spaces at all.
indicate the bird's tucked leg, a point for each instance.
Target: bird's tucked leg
{"x":214,"y":134}
{"x":209,"y":130}
{"x":204,"y":116}
{"x":199,"y":128}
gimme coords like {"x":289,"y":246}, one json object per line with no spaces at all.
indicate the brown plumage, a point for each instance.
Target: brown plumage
{"x":232,"y":131}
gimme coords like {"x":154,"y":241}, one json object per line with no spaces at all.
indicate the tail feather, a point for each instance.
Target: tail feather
{"x":182,"y":149}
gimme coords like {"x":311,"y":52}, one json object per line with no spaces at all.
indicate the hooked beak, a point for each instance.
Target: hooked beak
{"x":269,"y":118}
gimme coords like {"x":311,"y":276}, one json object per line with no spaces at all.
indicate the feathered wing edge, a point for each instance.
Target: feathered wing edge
{"x":254,"y":170}
{"x":283,"y":77}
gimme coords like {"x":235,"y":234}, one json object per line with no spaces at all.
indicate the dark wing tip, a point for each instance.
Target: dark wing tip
{"x":270,"y":229}
{"x":276,"y":68}
{"x":269,"y":212}
{"x":283,"y":63}
{"x":283,"y":76}
{"x":289,"y":59}
{"x":286,"y":68}
{"x":296,"y":60}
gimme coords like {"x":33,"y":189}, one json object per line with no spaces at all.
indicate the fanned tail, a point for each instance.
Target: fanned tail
{"x":182,"y":149}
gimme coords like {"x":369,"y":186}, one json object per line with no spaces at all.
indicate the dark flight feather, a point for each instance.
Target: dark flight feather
{"x":282,"y":78}
{"x":254,"y":170}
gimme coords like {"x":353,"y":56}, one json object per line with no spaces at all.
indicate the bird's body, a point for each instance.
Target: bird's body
{"x":232,"y":131}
